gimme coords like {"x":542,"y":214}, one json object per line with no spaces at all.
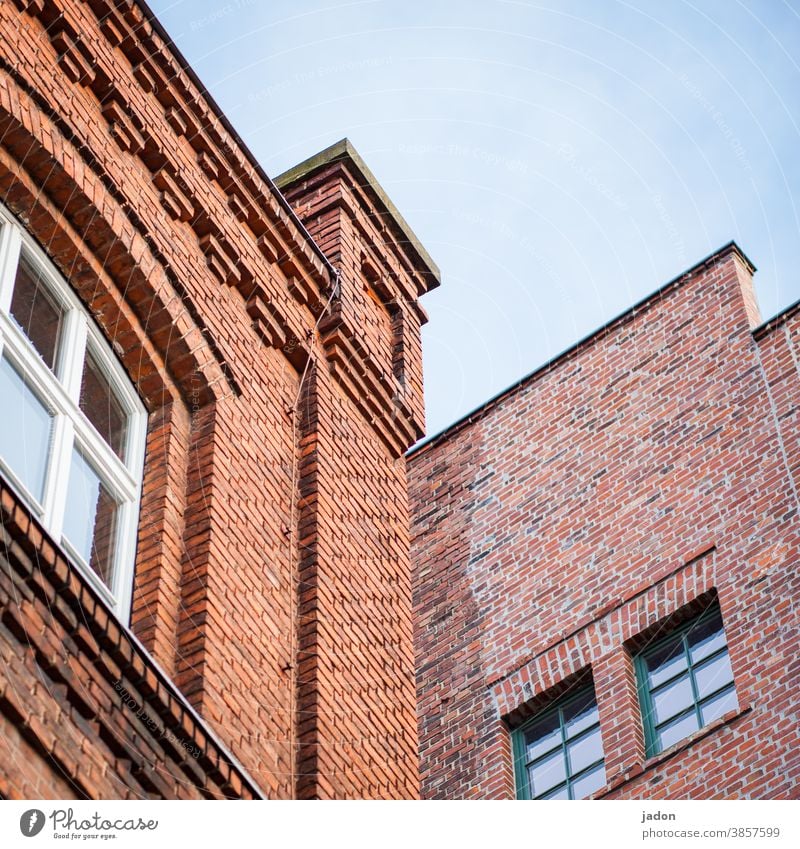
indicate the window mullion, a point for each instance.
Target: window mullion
{"x":110,"y":469}
{"x":689,"y":666}
{"x":563,"y":729}
{"x":73,"y":351}
{"x":58,"y":477}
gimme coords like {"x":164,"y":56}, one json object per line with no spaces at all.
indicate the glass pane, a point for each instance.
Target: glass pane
{"x":677,"y":730}
{"x":665,"y":663}
{"x":706,"y":637}
{"x":580,"y":715}
{"x":584,"y":751}
{"x":90,"y":518}
{"x":36,"y":312}
{"x":713,"y":674}
{"x":719,"y":705}
{"x":672,"y":699}
{"x":25,"y":427}
{"x":588,"y":783}
{"x":542,"y":736}
{"x":547,"y":772}
{"x":101,"y":406}
{"x":559,"y":793}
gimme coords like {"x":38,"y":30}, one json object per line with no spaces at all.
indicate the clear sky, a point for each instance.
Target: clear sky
{"x":558,"y":159}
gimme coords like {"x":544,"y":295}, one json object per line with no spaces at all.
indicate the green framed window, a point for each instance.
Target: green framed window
{"x":685,"y":681}
{"x":558,"y":754}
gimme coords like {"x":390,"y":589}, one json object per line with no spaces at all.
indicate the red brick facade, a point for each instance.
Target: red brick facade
{"x":557,"y":529}
{"x":278,"y":355}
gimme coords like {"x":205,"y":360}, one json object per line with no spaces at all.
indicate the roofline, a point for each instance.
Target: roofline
{"x":474,"y":415}
{"x":225,"y":122}
{"x":344,"y":150}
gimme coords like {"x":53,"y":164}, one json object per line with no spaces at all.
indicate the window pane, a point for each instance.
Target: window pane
{"x":672,"y":699}
{"x":588,"y":783}
{"x":25,"y":427}
{"x":665,"y":663}
{"x":677,"y":730}
{"x":101,"y":406}
{"x":713,"y":674}
{"x":706,"y":637}
{"x":581,"y":714}
{"x":36,"y":312}
{"x":719,"y":705}
{"x":542,"y":736}
{"x":547,"y":772}
{"x":90,"y":517}
{"x":584,"y":751}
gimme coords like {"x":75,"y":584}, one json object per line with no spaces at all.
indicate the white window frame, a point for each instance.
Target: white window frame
{"x":59,"y":391}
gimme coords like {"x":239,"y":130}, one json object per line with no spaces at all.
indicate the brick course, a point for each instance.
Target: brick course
{"x":651,"y":466}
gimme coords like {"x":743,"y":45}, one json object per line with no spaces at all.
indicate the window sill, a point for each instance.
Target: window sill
{"x":637,"y":771}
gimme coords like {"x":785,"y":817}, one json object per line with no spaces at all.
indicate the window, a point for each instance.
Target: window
{"x":72,"y":427}
{"x":559,"y":753}
{"x":685,"y":681}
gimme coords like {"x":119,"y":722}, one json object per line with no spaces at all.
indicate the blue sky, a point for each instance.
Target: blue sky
{"x":559,"y":160}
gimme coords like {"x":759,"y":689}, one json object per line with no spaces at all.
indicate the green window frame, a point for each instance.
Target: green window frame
{"x":685,"y":681}
{"x":558,"y":754}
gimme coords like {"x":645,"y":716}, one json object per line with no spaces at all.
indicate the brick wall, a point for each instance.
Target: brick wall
{"x":653,"y":465}
{"x":355,"y":598}
{"x":229,"y":319}
{"x":83,"y":710}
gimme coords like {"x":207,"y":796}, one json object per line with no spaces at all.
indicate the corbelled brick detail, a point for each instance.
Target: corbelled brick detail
{"x":654,"y":464}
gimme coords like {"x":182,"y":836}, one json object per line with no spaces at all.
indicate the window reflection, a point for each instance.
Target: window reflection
{"x":25,"y":427}
{"x":36,"y":312}
{"x":101,"y":406}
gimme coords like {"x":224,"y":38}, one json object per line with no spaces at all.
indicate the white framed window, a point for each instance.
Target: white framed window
{"x":72,"y":427}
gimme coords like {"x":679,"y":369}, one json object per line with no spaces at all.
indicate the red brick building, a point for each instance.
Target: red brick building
{"x":605,"y":563}
{"x":209,"y":380}
{"x":208,"y":386}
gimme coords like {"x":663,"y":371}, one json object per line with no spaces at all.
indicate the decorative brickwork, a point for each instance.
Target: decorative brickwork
{"x":260,"y":567}
{"x":588,"y":508}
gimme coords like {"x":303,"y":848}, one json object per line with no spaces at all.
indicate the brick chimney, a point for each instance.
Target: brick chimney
{"x":373,"y":334}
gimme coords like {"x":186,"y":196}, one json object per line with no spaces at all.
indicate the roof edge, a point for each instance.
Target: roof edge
{"x":478,"y":412}
{"x":343,"y":150}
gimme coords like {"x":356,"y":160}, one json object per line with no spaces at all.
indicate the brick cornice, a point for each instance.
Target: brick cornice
{"x":192,"y":356}
{"x":249,"y":205}
{"x":372,"y":392}
{"x":192,"y":112}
